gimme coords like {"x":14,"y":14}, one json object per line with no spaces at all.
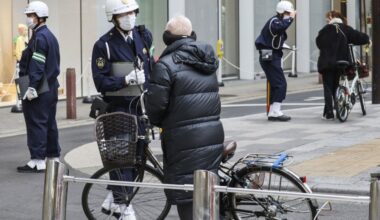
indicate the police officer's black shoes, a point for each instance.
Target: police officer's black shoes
{"x":279,"y":118}
{"x":28,"y":169}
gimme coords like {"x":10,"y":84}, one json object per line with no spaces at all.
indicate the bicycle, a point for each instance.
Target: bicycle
{"x":346,"y":94}
{"x":116,"y":137}
{"x":265,"y":172}
{"x":252,"y":171}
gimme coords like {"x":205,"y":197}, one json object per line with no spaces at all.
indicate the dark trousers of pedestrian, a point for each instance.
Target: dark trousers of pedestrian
{"x":120,"y":193}
{"x":41,"y":125}
{"x":185,"y":211}
{"x":276,"y":77}
{"x":330,"y":84}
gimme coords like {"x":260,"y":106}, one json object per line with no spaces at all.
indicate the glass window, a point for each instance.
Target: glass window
{"x":230,"y":37}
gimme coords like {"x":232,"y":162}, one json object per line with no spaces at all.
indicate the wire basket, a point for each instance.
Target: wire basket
{"x":116,"y":136}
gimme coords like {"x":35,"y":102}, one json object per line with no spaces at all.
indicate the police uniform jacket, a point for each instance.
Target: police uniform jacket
{"x":183,"y":99}
{"x":40,"y":58}
{"x":120,"y":51}
{"x":273,"y":35}
{"x":333,"y":41}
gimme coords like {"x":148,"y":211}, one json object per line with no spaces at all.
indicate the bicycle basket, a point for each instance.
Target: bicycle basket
{"x":363,"y":70}
{"x":116,"y":136}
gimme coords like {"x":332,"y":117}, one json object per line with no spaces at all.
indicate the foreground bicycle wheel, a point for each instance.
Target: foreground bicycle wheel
{"x":341,"y":105}
{"x":361,"y":92}
{"x":147,"y":203}
{"x":270,"y":207}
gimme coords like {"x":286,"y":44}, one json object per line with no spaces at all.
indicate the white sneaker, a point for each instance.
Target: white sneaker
{"x":108,"y":201}
{"x":128,"y":214}
{"x":39,"y":164}
{"x":275,"y":114}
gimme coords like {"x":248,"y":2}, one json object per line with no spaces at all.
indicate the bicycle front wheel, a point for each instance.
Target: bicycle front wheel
{"x":341,"y":105}
{"x":147,"y":203}
{"x":267,"y":206}
{"x":361,"y":92}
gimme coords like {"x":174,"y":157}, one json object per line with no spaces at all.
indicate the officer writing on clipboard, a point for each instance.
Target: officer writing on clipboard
{"x":39,"y":64}
{"x":270,"y":43}
{"x":120,"y":61}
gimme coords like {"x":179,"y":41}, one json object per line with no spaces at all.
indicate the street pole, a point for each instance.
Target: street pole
{"x":376,"y":52}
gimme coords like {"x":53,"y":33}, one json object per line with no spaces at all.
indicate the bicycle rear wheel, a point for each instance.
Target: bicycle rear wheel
{"x":270,"y":207}
{"x":341,"y":106}
{"x":147,"y":203}
{"x":361,"y":92}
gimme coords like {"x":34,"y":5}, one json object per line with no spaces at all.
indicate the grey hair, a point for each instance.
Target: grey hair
{"x":179,"y":25}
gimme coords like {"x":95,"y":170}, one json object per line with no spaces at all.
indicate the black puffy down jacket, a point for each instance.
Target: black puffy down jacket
{"x":183,"y":99}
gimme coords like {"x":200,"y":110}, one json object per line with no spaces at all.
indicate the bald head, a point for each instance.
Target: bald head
{"x":179,"y":25}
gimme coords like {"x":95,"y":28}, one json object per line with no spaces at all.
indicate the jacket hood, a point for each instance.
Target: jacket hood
{"x":201,"y":56}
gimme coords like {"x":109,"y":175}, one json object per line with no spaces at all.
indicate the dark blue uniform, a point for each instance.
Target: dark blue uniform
{"x":121,"y":51}
{"x":273,"y":35}
{"x":41,"y":58}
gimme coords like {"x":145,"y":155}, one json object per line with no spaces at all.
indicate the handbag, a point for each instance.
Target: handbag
{"x":266,"y":54}
{"x":98,"y":107}
{"x":363,"y":70}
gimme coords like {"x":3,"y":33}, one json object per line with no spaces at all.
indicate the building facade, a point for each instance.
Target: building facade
{"x":79,"y":23}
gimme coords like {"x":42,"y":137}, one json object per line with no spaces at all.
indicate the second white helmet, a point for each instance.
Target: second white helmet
{"x":39,"y":8}
{"x":284,"y":6}
{"x":114,"y":7}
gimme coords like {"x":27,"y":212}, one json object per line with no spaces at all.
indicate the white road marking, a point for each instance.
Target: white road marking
{"x":263,"y":104}
{"x":314,"y":98}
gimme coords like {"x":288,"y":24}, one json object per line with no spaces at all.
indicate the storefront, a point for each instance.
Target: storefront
{"x":77,"y":24}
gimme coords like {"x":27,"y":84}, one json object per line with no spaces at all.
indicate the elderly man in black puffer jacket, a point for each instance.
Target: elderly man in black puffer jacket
{"x":183,"y":100}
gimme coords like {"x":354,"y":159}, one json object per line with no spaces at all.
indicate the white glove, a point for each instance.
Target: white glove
{"x":31,"y":94}
{"x":135,"y":77}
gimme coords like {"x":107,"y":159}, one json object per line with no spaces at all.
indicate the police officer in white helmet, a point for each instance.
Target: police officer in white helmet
{"x":129,"y":45}
{"x":270,"y":43}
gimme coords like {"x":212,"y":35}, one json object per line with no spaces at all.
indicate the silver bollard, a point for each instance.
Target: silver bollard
{"x":205,"y":199}
{"x":374,"y":205}
{"x":55,"y":191}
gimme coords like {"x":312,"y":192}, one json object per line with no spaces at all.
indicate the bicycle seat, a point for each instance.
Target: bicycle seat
{"x":342,"y":64}
{"x":229,"y":148}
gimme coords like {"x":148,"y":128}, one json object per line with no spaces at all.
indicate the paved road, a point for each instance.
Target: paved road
{"x":21,"y":193}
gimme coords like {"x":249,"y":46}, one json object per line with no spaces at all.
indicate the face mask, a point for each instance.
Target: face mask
{"x":127,"y":22}
{"x":286,"y":16}
{"x":30,"y":23}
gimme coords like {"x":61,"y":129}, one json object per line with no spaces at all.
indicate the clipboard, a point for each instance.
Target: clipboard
{"x":121,"y":69}
{"x":22,"y":84}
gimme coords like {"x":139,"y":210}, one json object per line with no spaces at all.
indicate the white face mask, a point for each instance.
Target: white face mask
{"x":286,"y":16}
{"x":127,"y":22}
{"x":30,"y":23}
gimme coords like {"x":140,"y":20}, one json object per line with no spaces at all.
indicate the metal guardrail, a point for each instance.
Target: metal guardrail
{"x":205,"y":192}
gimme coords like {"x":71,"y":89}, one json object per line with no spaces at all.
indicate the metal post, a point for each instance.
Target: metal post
{"x":206,"y":200}
{"x":376,"y":52}
{"x":55,"y":191}
{"x":268,"y":97}
{"x":374,"y":205}
{"x":71,"y":104}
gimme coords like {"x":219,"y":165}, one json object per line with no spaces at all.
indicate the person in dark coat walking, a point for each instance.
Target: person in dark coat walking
{"x":332,"y":42}
{"x":183,"y":99}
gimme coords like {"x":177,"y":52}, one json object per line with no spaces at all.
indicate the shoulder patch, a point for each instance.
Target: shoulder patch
{"x":100,"y":62}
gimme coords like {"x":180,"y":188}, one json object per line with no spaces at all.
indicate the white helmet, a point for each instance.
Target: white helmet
{"x":114,"y":7}
{"x":284,"y":6}
{"x":38,"y":7}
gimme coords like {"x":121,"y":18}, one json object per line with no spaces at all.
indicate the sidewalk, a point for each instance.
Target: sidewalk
{"x":336,"y":157}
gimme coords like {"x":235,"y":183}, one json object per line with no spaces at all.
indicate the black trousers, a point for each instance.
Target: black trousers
{"x":185,"y":211}
{"x":330,"y":84}
{"x":276,"y":77}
